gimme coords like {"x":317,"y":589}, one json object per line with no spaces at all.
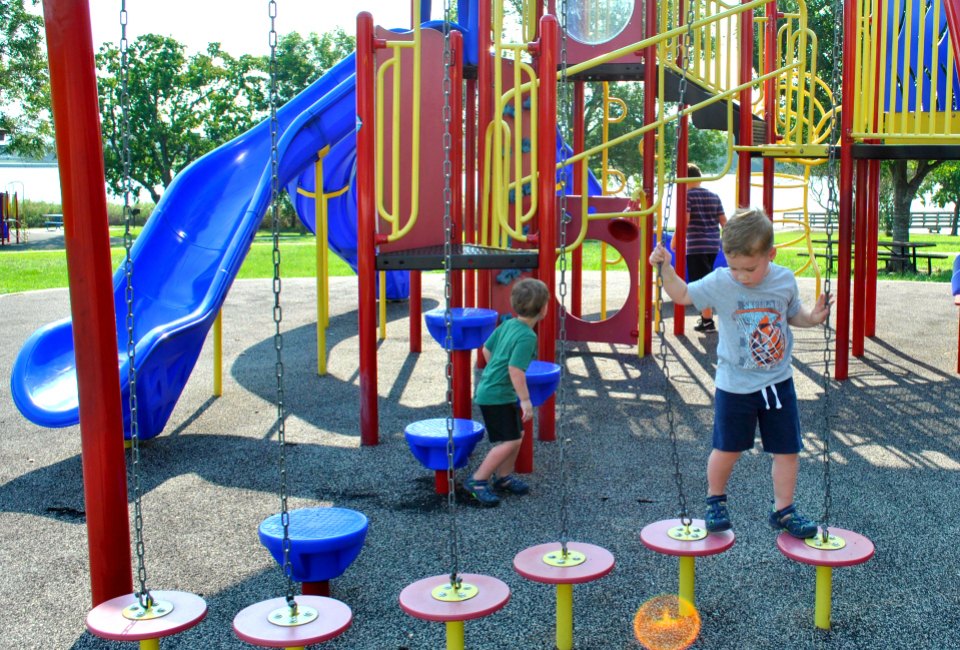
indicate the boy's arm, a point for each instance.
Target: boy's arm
{"x":675,"y":287}
{"x":814,"y":316}
{"x":486,"y":354}
{"x":519,"y":380}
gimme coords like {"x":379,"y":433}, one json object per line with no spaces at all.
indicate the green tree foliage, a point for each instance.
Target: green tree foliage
{"x":945,"y":185}
{"x":24,"y":85}
{"x":182,"y":106}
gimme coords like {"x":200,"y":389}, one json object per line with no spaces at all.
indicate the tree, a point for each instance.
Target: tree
{"x":945,"y":183}
{"x":24,"y":84}
{"x":183,"y":106}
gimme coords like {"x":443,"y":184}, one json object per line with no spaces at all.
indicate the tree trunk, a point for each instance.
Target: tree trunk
{"x":956,"y":217}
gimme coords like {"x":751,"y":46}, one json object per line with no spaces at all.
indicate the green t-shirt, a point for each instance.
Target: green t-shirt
{"x":512,"y":344}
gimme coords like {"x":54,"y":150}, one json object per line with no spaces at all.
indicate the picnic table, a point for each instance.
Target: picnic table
{"x":898,"y":255}
{"x":53,"y":221}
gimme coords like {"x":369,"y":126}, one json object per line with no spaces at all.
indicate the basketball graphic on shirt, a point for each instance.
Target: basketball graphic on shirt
{"x":764,"y":335}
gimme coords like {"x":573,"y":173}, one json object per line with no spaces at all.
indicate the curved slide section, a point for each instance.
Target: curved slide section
{"x":186,"y":259}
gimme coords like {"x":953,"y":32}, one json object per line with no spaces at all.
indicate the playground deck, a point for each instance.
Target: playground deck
{"x":211,"y":478}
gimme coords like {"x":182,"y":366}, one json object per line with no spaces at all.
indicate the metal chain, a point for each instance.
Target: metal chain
{"x":454,"y":542}
{"x":277,"y":310}
{"x":566,"y":110}
{"x":143,"y":594}
{"x":683,"y":514}
{"x":832,"y":210}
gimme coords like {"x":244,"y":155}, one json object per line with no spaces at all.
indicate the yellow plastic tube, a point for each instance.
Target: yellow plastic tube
{"x":564,"y":617}
{"x":455,"y":635}
{"x":821,"y":612}
{"x":687,"y":569}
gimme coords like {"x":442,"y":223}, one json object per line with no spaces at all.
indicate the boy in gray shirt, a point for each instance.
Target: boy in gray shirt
{"x":756,"y":302}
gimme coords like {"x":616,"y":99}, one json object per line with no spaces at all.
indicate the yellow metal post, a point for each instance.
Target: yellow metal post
{"x":150,"y":644}
{"x":383,"y":305}
{"x":687,"y":569}
{"x":564,"y":617}
{"x":320,"y":205}
{"x":821,"y":613}
{"x":218,"y":354}
{"x":455,"y":635}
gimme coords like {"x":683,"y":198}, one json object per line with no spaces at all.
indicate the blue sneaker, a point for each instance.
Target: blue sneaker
{"x":793,"y":522}
{"x":717,"y":518}
{"x":480,"y":490}
{"x":511,"y":483}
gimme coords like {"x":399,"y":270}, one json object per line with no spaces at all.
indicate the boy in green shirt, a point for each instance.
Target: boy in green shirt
{"x":508,"y":353}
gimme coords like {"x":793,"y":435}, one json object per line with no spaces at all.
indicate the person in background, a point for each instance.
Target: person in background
{"x":705,"y":217}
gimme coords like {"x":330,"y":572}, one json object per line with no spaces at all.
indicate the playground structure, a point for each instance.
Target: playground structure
{"x":12,"y":227}
{"x":377,"y":177}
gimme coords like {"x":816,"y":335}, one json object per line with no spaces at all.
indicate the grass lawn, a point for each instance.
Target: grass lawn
{"x":28,"y":270}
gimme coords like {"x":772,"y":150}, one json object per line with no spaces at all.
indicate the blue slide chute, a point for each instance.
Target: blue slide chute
{"x":185,"y":260}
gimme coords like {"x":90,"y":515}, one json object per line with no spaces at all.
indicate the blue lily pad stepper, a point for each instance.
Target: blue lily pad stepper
{"x":428,"y":441}
{"x":323,"y":543}
{"x":470,"y":327}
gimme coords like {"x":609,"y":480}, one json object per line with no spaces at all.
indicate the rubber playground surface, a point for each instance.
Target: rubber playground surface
{"x":211,"y":478}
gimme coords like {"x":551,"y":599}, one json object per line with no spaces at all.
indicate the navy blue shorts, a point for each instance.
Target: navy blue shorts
{"x":736,"y":417}
{"x":502,"y":421}
{"x":699,"y":265}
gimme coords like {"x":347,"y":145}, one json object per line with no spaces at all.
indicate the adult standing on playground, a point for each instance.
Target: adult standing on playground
{"x":705,"y":217}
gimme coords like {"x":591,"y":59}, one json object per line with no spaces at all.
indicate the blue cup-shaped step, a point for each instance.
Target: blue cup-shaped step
{"x":428,"y":441}
{"x":470,"y":327}
{"x":543,"y":378}
{"x":323,"y":541}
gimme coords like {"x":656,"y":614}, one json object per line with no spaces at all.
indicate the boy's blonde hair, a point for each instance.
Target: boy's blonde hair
{"x":748,"y":232}
{"x":528,"y":297}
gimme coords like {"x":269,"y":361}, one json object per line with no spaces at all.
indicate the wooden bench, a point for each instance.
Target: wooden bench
{"x":53,"y":221}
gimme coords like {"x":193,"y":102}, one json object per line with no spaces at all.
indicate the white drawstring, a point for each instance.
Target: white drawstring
{"x":773,"y":389}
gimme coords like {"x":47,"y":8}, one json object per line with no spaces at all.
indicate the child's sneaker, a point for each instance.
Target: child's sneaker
{"x":705,"y":325}
{"x":480,"y":490}
{"x":793,"y":522}
{"x":511,"y":483}
{"x":717,"y":518}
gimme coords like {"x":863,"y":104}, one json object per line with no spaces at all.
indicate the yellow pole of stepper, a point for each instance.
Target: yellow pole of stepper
{"x":455,"y":635}
{"x":297,"y":647}
{"x":218,"y":354}
{"x":821,"y":613}
{"x":564,"y":617}
{"x":687,"y":570}
{"x":383,"y":305}
{"x":150,"y":644}
{"x":320,"y":227}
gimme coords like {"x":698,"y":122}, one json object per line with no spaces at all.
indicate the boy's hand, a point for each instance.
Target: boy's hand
{"x":526,"y":409}
{"x":821,"y":310}
{"x":659,"y":255}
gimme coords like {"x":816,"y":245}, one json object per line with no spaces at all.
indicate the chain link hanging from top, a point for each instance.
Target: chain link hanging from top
{"x":685,"y":518}
{"x":144,"y":598}
{"x":454,"y":543}
{"x":832,"y":210}
{"x":565,"y":110}
{"x":277,"y":310}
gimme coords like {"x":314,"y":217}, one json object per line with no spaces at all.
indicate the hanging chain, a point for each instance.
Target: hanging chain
{"x":565,"y":110}
{"x":685,"y":518}
{"x":454,"y":542}
{"x":143,"y":595}
{"x":277,"y":310}
{"x":832,"y":210}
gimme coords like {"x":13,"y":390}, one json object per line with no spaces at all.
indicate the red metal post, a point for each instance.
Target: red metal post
{"x":484,"y":117}
{"x":462,"y":374}
{"x":680,"y":238}
{"x":470,"y":199}
{"x":746,"y":109}
{"x":846,"y":195}
{"x":579,"y":145}
{"x":547,"y":222}
{"x":771,"y":61}
{"x":416,"y":312}
{"x":366,"y":229}
{"x":952,"y":10}
{"x":76,"y":117}
{"x":859,"y":260}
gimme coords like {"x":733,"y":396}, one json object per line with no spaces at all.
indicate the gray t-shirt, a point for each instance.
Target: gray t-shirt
{"x":756,"y":345}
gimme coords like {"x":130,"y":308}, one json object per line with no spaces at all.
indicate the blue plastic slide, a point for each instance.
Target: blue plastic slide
{"x":186,"y":259}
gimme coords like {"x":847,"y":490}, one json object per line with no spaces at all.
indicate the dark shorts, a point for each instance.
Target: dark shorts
{"x":737,"y":416}
{"x":699,"y":265}
{"x":502,"y":421}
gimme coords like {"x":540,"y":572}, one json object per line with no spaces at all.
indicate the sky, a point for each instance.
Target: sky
{"x":241,"y":26}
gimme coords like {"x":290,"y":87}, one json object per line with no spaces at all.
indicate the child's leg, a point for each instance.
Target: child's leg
{"x":719,"y":468}
{"x":506,"y":467}
{"x":501,"y":454}
{"x":784,"y":471}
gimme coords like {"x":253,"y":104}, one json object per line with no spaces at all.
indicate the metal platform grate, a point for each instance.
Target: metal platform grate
{"x":464,"y":257}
